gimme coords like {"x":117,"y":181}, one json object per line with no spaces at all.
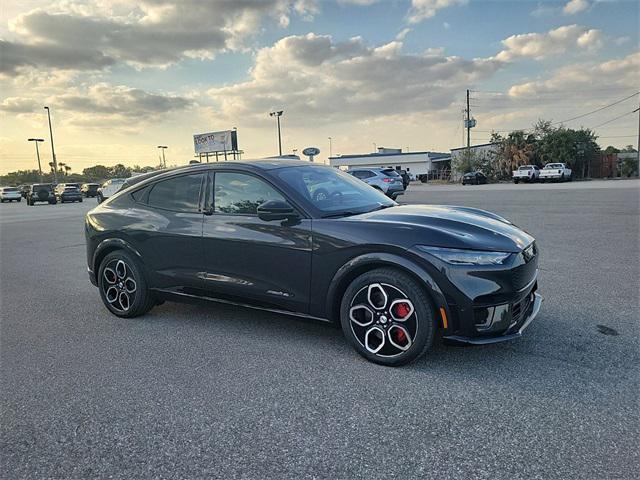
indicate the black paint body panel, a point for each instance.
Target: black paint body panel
{"x":303,"y":265}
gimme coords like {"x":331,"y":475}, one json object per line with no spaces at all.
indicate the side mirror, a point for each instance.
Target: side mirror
{"x":275,"y":210}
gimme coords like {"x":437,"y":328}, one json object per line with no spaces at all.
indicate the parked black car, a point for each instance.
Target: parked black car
{"x":41,"y":192}
{"x":252,"y":234}
{"x":68,"y":192}
{"x":474,"y":178}
{"x":89,"y":190}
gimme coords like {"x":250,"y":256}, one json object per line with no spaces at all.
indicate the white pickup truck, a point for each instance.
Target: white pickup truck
{"x":526,"y":173}
{"x":555,"y":171}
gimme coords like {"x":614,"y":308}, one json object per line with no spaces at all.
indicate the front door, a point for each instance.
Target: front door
{"x":249,"y":259}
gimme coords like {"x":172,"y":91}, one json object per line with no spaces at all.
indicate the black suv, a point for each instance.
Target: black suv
{"x":90,"y":189}
{"x":68,"y":192}
{"x":40,"y":192}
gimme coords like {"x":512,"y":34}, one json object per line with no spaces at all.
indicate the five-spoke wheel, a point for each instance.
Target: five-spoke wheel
{"x":387,"y":317}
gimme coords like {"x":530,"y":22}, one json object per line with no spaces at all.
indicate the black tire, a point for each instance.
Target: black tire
{"x":100,"y":198}
{"x":418,"y":325}
{"x":142,"y":301}
{"x":515,"y":181}
{"x":53,"y":202}
{"x":80,"y":200}
{"x":19,"y":200}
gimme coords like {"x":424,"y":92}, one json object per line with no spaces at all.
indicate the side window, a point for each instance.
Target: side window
{"x":180,"y":194}
{"x":240,"y":194}
{"x":368,"y":174}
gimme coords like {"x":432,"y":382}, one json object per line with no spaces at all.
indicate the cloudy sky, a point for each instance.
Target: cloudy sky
{"x":123,"y":76}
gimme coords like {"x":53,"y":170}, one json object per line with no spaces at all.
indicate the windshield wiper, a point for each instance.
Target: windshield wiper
{"x":347,"y":213}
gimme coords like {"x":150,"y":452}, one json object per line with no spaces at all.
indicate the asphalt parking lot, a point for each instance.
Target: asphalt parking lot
{"x":193,"y":391}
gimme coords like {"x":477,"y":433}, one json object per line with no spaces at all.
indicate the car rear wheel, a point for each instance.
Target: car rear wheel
{"x":122,"y":286}
{"x":387,"y":317}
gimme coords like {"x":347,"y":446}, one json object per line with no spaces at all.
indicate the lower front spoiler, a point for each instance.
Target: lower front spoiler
{"x":537,"y":302}
{"x":92,"y":277}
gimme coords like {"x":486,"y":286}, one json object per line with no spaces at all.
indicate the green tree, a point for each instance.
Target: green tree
{"x":610,"y":150}
{"x":96,"y":173}
{"x":119,"y":171}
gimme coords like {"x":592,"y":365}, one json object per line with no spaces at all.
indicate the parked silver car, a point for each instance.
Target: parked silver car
{"x":385,"y":179}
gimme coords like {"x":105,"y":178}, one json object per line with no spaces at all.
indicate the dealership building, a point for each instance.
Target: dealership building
{"x":415,"y":163}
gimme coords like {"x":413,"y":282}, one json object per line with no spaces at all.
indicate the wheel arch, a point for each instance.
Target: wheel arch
{"x":371,"y":261}
{"x":109,"y":245}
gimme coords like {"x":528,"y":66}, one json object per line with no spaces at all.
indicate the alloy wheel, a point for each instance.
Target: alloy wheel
{"x":383,"y":319}
{"x":119,"y":285}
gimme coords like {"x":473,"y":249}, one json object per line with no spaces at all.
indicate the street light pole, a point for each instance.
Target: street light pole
{"x":278,"y":114}
{"x":164,"y":160}
{"x":36,"y":141}
{"x":53,"y":152}
{"x":330,"y":148}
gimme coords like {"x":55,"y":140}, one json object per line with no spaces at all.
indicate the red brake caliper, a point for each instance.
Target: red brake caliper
{"x":402,"y":310}
{"x":401,"y":338}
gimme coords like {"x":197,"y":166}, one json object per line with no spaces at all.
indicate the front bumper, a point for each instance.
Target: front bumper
{"x":511,"y":333}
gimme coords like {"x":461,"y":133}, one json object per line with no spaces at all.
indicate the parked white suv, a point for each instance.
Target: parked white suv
{"x":109,"y":187}
{"x":555,"y":171}
{"x":526,"y":173}
{"x":9,"y":194}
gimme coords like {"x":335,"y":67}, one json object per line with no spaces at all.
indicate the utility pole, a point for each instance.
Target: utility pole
{"x":468,"y":125}
{"x":164,"y":160}
{"x":638,"y":145}
{"x":278,"y":114}
{"x":36,"y":141}
{"x":53,"y":152}
{"x":330,"y":148}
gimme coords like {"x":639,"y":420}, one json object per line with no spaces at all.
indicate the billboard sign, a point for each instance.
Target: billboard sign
{"x":215,"y":142}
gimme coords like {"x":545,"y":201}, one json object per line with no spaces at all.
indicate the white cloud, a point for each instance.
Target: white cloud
{"x":423,"y":9}
{"x":319,"y":80}
{"x":577,"y":80}
{"x":554,"y":42}
{"x":576,"y":6}
{"x":97,"y":34}
{"x":100,"y":104}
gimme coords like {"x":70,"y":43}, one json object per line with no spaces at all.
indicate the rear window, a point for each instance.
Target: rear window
{"x":10,"y":189}
{"x":525,"y":168}
{"x":41,"y":187}
{"x":553,"y":166}
{"x":390,"y":172}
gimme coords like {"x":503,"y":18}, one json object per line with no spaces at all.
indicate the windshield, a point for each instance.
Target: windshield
{"x":553,"y":166}
{"x":332,"y":191}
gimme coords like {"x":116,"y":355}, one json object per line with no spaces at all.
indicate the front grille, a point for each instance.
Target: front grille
{"x":519,"y":310}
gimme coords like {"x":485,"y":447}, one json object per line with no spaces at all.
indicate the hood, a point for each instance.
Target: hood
{"x":453,"y":227}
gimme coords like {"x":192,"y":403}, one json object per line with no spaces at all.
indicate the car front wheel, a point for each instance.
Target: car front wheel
{"x":387,"y":317}
{"x":123,"y":287}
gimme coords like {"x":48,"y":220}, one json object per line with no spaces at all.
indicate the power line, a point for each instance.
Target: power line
{"x":614,"y":119}
{"x":597,"y":110}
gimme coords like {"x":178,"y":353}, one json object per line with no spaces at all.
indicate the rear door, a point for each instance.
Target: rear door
{"x":168,"y":231}
{"x":248,"y":259}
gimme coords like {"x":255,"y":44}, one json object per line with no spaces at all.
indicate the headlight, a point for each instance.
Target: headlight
{"x":457,"y":256}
